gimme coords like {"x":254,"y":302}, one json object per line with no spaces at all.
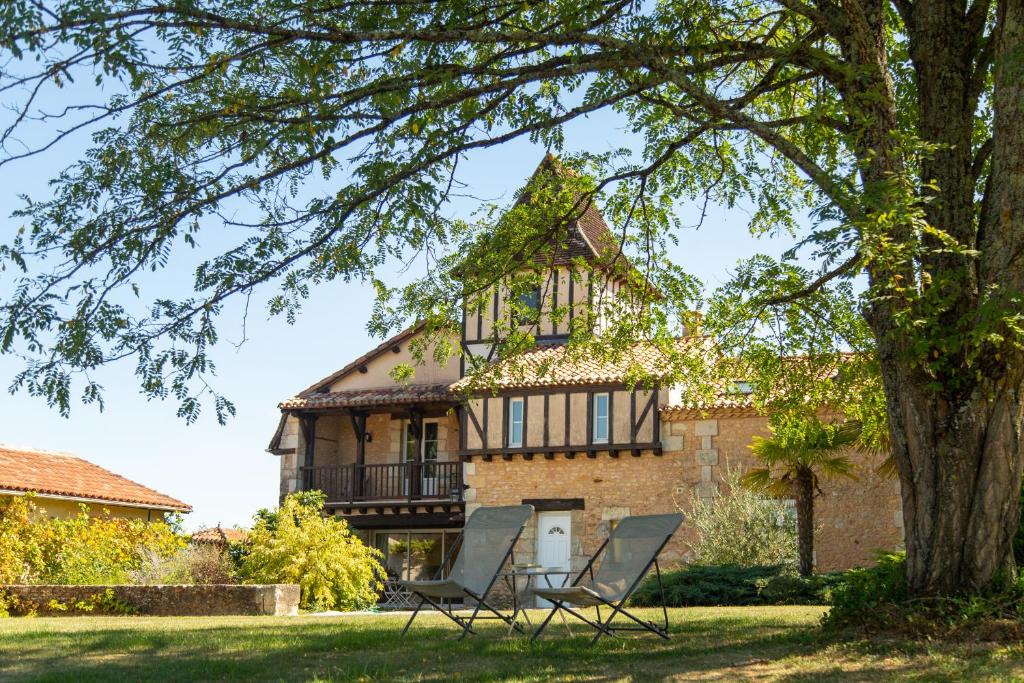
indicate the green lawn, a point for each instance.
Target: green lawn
{"x":725,"y":644}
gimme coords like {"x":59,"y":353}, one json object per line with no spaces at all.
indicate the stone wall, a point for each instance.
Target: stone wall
{"x":214,"y":600}
{"x":854,"y":518}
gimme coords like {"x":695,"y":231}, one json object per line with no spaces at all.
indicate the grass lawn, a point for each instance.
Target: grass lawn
{"x":722,"y":644}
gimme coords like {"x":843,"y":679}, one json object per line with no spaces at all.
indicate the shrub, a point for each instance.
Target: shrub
{"x":79,"y":550}
{"x":297,"y":544}
{"x":195,"y":564}
{"x":21,"y":553}
{"x":862,"y":591}
{"x":698,"y":585}
{"x":878,"y":600}
{"x":742,"y":527}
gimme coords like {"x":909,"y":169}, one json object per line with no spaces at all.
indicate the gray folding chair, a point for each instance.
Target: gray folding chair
{"x":486,"y":543}
{"x":629,"y":552}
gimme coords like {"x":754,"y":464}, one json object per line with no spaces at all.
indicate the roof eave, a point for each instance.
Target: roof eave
{"x":100,"y":501}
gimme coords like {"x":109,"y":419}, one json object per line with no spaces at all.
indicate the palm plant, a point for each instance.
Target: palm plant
{"x":795,"y":458}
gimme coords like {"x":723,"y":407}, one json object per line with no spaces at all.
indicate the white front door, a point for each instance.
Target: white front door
{"x":554,"y":540}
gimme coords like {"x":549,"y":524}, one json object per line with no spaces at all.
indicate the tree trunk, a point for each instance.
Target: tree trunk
{"x":804,"y":491}
{"x":953,"y":397}
{"x":960,"y":472}
{"x":957,"y":432}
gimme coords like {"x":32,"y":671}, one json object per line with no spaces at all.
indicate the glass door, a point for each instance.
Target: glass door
{"x":428,"y":471}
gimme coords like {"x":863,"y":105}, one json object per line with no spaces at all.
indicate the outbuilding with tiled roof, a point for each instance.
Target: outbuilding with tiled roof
{"x":61,"y":482}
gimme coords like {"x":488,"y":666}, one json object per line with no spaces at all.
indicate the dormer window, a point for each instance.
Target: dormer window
{"x":527,"y":310}
{"x":741,"y":387}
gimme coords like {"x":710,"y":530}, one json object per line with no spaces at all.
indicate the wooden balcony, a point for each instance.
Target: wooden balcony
{"x":401,"y":483}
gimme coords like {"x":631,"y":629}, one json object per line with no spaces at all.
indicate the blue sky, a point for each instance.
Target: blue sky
{"x":224,"y":472}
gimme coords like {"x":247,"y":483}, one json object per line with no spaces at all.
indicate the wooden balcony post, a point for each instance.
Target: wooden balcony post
{"x":307,"y":423}
{"x":359,"y":428}
{"x":415,"y":480}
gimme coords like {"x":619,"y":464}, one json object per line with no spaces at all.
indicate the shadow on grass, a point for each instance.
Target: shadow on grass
{"x":706,"y":645}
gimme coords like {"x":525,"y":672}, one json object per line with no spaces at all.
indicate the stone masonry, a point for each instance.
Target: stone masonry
{"x":854,"y":518}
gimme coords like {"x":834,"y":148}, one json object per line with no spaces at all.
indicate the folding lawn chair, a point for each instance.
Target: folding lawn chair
{"x":484,"y":546}
{"x":629,"y":552}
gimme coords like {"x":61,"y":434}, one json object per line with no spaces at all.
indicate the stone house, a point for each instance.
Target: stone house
{"x":405,"y":463}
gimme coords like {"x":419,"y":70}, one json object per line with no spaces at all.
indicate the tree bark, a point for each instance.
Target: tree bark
{"x":804,"y":491}
{"x":955,"y":414}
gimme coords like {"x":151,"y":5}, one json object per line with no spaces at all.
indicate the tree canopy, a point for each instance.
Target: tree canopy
{"x":895,"y":125}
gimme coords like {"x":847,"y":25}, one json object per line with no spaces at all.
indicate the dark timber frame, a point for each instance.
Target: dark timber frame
{"x":498,"y":444}
{"x":307,"y":423}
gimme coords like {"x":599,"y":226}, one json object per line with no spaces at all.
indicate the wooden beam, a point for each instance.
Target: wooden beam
{"x":541,"y":450}
{"x":611,"y":417}
{"x":656,"y":435}
{"x":504,"y":422}
{"x":555,"y":504}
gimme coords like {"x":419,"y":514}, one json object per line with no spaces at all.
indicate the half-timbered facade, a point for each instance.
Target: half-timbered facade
{"x":405,"y":462}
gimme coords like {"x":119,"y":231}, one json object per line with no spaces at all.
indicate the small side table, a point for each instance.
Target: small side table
{"x":529,"y":573}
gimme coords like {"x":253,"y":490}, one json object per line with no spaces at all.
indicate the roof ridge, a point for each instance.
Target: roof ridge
{"x":40,"y":451}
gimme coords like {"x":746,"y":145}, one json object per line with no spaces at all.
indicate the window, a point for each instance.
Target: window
{"x":430,"y":442}
{"x":515,"y":423}
{"x":600,"y":418}
{"x":527,"y":308}
{"x":428,"y":449}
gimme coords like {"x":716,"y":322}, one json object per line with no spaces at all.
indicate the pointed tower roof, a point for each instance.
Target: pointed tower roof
{"x":588,"y":234}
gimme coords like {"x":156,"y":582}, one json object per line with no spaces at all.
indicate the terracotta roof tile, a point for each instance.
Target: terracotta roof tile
{"x":60,"y":474}
{"x":382,"y":396}
{"x":220,"y":535}
{"x":550,"y":366}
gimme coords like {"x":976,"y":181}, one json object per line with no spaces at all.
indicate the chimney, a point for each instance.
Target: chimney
{"x":692,"y":324}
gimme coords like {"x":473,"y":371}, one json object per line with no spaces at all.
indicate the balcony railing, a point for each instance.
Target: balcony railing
{"x":407,"y":481}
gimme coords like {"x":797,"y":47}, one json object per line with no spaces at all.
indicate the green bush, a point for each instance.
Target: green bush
{"x":83,"y":549}
{"x":297,"y":544}
{"x":862,"y":591}
{"x":742,"y":527}
{"x":878,"y":600}
{"x":700,"y":585}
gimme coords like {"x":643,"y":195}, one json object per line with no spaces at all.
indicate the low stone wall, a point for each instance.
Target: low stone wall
{"x":280,"y":599}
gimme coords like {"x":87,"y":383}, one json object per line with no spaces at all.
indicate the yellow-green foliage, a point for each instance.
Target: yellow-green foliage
{"x":20,"y":544}
{"x":79,"y":550}
{"x":297,"y":544}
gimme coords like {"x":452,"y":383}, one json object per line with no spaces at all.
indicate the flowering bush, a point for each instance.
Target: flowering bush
{"x":78,"y":550}
{"x":297,"y":544}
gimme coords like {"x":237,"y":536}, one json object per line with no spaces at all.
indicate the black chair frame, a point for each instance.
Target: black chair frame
{"x":467,"y":624}
{"x":603,"y":626}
